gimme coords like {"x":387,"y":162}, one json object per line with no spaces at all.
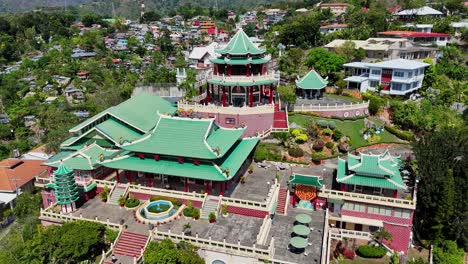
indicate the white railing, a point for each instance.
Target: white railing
{"x":41,"y":181}
{"x":328,"y":107}
{"x":365,"y":198}
{"x":288,"y":199}
{"x":264,"y":230}
{"x":209,"y":244}
{"x":169,"y":193}
{"x":198,"y":98}
{"x":326,"y":239}
{"x":243,"y":79}
{"x":211,"y":108}
{"x":109,"y":252}
{"x":102,"y":183}
{"x":340,"y":233}
{"x":262,"y":206}
{"x":65,"y":218}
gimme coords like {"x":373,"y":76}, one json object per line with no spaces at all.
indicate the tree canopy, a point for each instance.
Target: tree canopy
{"x":166,"y":251}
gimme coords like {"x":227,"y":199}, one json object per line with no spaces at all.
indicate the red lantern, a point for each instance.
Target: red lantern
{"x":141,"y":155}
{"x":156,"y":157}
{"x":180,"y":160}
{"x":196,"y":161}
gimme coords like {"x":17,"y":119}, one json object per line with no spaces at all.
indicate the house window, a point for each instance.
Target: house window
{"x":380,"y":210}
{"x":373,"y":84}
{"x":230,"y":120}
{"x":398,"y":74}
{"x":397,"y":86}
{"x":376,"y":72}
{"x":410,"y":74}
{"x":415,"y":84}
{"x":354,"y":207}
{"x":402,"y":213}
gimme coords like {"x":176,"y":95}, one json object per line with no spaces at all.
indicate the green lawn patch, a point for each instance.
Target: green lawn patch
{"x":346,"y":98}
{"x":351,"y":129}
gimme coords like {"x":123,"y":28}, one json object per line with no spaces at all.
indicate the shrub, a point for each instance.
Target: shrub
{"x":375,"y":102}
{"x":296,"y":152}
{"x":327,"y":131}
{"x":188,"y":211}
{"x":111,"y":235}
{"x":349,"y":254}
{"x":132,"y":202}
{"x":367,"y":251}
{"x":405,"y":135}
{"x":313,"y":131}
{"x":281,"y":136}
{"x":343,"y":147}
{"x":196,"y":213}
{"x":337,"y":134}
{"x":318,"y":145}
{"x":331,"y":125}
{"x":267,"y":152}
{"x":322,"y":123}
{"x":212,"y":217}
{"x":122,"y":200}
{"x":317,"y":156}
{"x":176,"y":202}
{"x":374,"y":139}
{"x":299,"y":135}
{"x":103,"y":196}
{"x":329,"y":145}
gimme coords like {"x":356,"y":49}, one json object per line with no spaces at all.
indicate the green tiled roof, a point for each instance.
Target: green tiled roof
{"x":240,"y":44}
{"x":117,"y":131}
{"x":186,"y":137}
{"x":306,"y":180}
{"x":223,"y":138}
{"x":380,"y":171}
{"x":62,"y":170}
{"x":312,"y":80}
{"x":204,"y":171}
{"x":236,"y":158}
{"x":240,"y":61}
{"x":139,"y":111}
{"x":263,"y":82}
{"x":85,"y":159}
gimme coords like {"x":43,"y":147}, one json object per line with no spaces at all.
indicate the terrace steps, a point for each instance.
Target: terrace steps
{"x":210,"y":205}
{"x":282,"y":197}
{"x":118,"y":191}
{"x":130,"y":244}
{"x":280,"y":120}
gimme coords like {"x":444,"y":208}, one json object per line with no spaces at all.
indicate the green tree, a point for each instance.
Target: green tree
{"x":382,"y":235}
{"x":447,"y":252}
{"x":27,"y":205}
{"x":347,"y":50}
{"x":167,"y":252}
{"x":325,"y":62}
{"x":287,"y":94}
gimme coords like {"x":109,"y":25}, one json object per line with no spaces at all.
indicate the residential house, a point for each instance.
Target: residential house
{"x":424,"y":39}
{"x":4,"y":119}
{"x":200,"y":56}
{"x":336,"y":8}
{"x":394,"y":77}
{"x":389,"y":49}
{"x":424,"y":11}
{"x":426,"y":28}
{"x":332,"y":28}
{"x":74,"y":94}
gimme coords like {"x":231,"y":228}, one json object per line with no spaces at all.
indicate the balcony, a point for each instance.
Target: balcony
{"x":366,"y":198}
{"x":230,"y":110}
{"x":269,"y":76}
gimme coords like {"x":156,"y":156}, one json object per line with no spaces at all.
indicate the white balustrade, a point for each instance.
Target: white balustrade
{"x":328,"y":107}
{"x":211,"y":108}
{"x":243,"y":79}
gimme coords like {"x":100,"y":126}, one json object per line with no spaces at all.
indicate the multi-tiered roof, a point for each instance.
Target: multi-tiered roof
{"x":312,"y":81}
{"x":379,"y":171}
{"x":64,"y":185}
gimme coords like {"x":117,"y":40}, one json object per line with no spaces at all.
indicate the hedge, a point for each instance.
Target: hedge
{"x":132,"y":202}
{"x":296,"y":152}
{"x":367,"y":251}
{"x":405,"y":135}
{"x":174,"y":201}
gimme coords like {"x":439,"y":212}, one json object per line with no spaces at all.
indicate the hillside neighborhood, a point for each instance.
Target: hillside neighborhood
{"x":293,"y":132}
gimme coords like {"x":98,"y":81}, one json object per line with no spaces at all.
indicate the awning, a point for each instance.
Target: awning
{"x":363,"y":221}
{"x":6,"y":198}
{"x":306,"y":180}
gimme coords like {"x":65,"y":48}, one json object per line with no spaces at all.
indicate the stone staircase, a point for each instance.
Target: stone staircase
{"x":118,"y":191}
{"x":130,"y":244}
{"x":282,"y":197}
{"x":210,"y":205}
{"x":280,"y":120}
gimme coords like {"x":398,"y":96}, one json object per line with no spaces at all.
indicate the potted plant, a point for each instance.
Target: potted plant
{"x":242,"y":179}
{"x":224,"y":210}
{"x":103,"y":196}
{"x":277,"y":176}
{"x":212,"y":217}
{"x":122,"y":201}
{"x":187,"y":229}
{"x":251,"y":169}
{"x":196,"y":213}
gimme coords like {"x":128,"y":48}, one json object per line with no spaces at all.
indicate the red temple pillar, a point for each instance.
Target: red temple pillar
{"x":150,"y":180}
{"x":229,"y":70}
{"x":248,"y":70}
{"x":216,"y":69}
{"x":395,"y":194}
{"x":207,"y":187}
{"x":208,"y":93}
{"x":213,"y":184}
{"x":223,"y":100}
{"x":251,"y":96}
{"x":261,"y":92}
{"x":129,"y":177}
{"x":271,"y":94}
{"x":185,"y":185}
{"x":226,"y":184}
{"x":294,"y":199}
{"x":221,"y":191}
{"x":343,"y":187}
{"x":117,"y":177}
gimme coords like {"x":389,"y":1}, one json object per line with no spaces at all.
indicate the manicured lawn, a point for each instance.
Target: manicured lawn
{"x":347,"y":98}
{"x":352,"y":129}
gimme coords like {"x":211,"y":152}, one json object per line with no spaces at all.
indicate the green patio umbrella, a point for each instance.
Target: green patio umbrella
{"x":298,"y":242}
{"x":303,"y":218}
{"x":301,"y":230}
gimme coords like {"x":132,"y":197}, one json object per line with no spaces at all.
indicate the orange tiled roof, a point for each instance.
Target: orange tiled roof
{"x":21,"y":170}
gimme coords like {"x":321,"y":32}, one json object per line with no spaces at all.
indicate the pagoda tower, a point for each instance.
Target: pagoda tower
{"x":240,"y":75}
{"x":65,"y":188}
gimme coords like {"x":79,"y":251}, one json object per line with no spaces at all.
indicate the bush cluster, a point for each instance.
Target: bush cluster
{"x":265,"y":152}
{"x":191,"y":211}
{"x":132,"y":202}
{"x":337,"y":134}
{"x":296,"y":152}
{"x":405,"y":135}
{"x":330,"y":145}
{"x":367,"y":251}
{"x":318,"y":145}
{"x":299,"y":135}
{"x":176,"y":202}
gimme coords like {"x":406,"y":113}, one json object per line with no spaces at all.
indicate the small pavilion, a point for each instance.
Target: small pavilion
{"x":305,"y":188}
{"x":311,"y":85}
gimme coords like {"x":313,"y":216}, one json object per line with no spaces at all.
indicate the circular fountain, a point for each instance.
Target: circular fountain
{"x":157,"y":212}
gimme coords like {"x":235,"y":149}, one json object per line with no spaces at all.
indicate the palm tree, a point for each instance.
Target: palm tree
{"x":382,"y":234}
